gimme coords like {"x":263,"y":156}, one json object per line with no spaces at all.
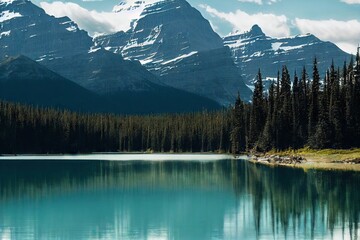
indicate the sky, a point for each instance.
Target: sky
{"x":337,"y":21}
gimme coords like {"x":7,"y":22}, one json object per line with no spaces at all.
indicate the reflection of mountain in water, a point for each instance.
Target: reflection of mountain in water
{"x":174,"y":200}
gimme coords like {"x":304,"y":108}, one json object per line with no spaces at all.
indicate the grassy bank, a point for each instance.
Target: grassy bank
{"x":327,"y":159}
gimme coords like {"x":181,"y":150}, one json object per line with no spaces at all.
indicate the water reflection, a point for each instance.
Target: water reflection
{"x":174,"y":200}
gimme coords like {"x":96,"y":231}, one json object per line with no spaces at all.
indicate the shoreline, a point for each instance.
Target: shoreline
{"x":136,"y":156}
{"x":306,"y":159}
{"x":331,"y":160}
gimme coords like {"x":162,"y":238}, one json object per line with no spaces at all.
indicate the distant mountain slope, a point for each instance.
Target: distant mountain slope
{"x":253,"y":50}
{"x":26,"y":29}
{"x":58,"y":44}
{"x":24,"y":80}
{"x":176,"y":43}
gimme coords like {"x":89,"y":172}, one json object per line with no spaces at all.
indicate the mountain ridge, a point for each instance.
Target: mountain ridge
{"x":167,"y":38}
{"x":26,"y":81}
{"x":253,"y":50}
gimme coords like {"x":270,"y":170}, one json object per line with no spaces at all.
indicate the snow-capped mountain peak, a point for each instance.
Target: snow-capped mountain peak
{"x":175,"y":42}
{"x":253,"y":50}
{"x":135,"y":5}
{"x":133,"y":10}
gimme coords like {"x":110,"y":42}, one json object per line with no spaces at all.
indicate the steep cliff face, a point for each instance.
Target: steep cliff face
{"x":253,"y":50}
{"x":60,"y":45}
{"x":105,"y":82}
{"x":27,"y":29}
{"x":176,"y":43}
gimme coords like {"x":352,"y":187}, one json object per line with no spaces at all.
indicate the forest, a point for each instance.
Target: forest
{"x":305,"y":111}
{"x":26,"y":129}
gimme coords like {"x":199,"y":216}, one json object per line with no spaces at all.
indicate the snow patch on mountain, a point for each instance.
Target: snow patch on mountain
{"x":4,"y":34}
{"x":281,"y":46}
{"x":148,"y":40}
{"x":7,"y":15}
{"x":132,"y":10}
{"x":180,"y":58}
{"x":6,"y":2}
{"x":135,"y":6}
{"x":276,"y":46}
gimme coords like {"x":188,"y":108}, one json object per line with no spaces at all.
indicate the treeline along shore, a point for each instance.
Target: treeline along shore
{"x":298,"y":112}
{"x":26,"y":129}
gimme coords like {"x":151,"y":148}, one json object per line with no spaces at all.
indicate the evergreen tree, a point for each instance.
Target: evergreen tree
{"x":303,"y":105}
{"x":285,"y":114}
{"x":296,"y":131}
{"x":257,"y":118}
{"x":314,"y":101}
{"x":335,"y":110}
{"x":356,"y":97}
{"x":266,"y":141}
{"x":322,"y":135}
{"x":238,"y":129}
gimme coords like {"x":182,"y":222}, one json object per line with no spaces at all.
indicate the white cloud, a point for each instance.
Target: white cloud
{"x":351,"y":1}
{"x":252,"y":1}
{"x":92,"y":21}
{"x":345,"y":34}
{"x":272,"y":25}
{"x":273,"y":1}
{"x":260,"y":2}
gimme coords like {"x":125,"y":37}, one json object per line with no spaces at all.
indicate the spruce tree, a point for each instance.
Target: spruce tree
{"x":322,"y":136}
{"x":238,"y":130}
{"x":303,"y":105}
{"x":285,"y":114}
{"x":296,"y":131}
{"x":356,"y":98}
{"x":257,"y":117}
{"x":266,"y":141}
{"x":314,"y":101}
{"x":334,"y":109}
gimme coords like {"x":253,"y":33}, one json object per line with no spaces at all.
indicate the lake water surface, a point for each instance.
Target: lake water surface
{"x":173,"y":199}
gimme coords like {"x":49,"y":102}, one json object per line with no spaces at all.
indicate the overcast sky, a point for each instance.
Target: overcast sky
{"x":331,"y":20}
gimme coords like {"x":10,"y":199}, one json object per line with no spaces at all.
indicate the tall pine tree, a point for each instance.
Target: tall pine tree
{"x":257,"y":117}
{"x":314,"y":101}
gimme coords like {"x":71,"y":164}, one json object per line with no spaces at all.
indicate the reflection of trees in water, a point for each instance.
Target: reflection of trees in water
{"x":304,"y":201}
{"x":41,"y":178}
{"x":289,"y":202}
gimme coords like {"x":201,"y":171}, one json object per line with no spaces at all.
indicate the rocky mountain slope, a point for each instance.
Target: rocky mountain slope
{"x":26,"y":81}
{"x":176,"y":43}
{"x":253,"y":50}
{"x":58,"y":44}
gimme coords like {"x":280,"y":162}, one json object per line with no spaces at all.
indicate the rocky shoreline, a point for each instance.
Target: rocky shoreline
{"x":278,"y":160}
{"x":343,"y":160}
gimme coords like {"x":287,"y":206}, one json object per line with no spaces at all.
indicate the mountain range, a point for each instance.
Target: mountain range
{"x":253,"y":50}
{"x":177,"y":44}
{"x":169,"y":60}
{"x":25,"y":81}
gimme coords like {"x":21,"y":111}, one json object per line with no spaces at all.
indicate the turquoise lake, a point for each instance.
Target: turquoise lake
{"x":174,"y":199}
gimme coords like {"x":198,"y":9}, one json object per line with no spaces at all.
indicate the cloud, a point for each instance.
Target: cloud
{"x":351,"y":1}
{"x":252,"y":1}
{"x":272,"y":25}
{"x":92,"y":21}
{"x":345,"y":34}
{"x":260,"y":2}
{"x":270,"y":2}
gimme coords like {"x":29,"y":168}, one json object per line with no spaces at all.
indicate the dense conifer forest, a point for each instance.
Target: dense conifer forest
{"x":302,"y":111}
{"x":25,"y":129}
{"x":295,"y":112}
